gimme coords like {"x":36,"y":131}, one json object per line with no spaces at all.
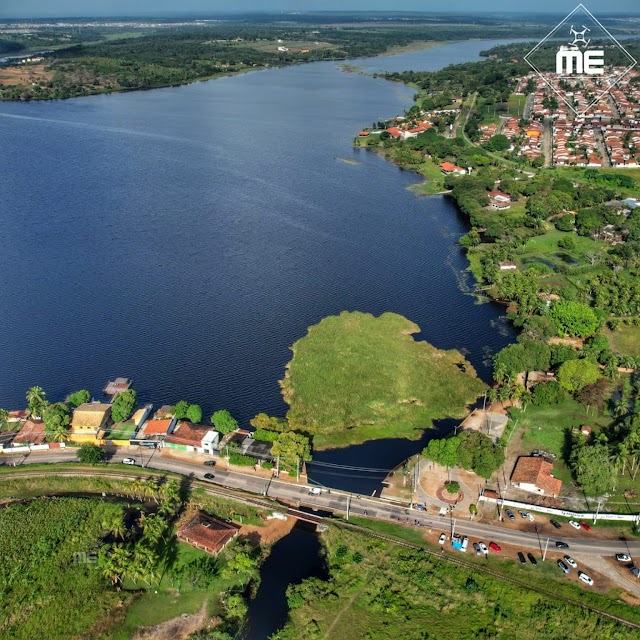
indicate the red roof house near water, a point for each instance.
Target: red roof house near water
{"x":394,"y":132}
{"x":207,"y":533}
{"x":449,"y":167}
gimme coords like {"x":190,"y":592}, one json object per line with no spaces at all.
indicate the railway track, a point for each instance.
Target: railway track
{"x":473,"y":567}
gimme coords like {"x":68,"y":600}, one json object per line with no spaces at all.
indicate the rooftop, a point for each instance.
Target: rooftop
{"x":32,"y":433}
{"x":188,"y":434}
{"x":536,"y":471}
{"x":207,"y":532}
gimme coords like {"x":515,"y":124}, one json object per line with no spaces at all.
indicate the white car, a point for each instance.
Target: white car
{"x":442,"y":539}
{"x":570,"y":561}
{"x":483,"y":548}
{"x":623,"y":557}
{"x":465,"y":543}
{"x":315,"y":491}
{"x":585,"y":578}
{"x":574,"y":524}
{"x":530,"y":517}
{"x":129,"y":461}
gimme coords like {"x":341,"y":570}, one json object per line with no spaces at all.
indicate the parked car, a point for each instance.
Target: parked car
{"x":209,"y":463}
{"x":574,"y":524}
{"x":585,"y":525}
{"x":442,"y":539}
{"x":495,"y":547}
{"x":532,"y":559}
{"x":530,"y":517}
{"x":561,"y":545}
{"x":635,"y":571}
{"x":563,"y":566}
{"x":523,"y":515}
{"x":129,"y":461}
{"x":465,"y":542}
{"x":556,"y":524}
{"x":483,"y":548}
{"x":315,"y":491}
{"x":477,"y":549}
{"x":521,"y":557}
{"x":623,"y":557}
{"x":570,"y":561}
{"x":510,"y":514}
{"x":585,"y":578}
{"x":209,"y":476}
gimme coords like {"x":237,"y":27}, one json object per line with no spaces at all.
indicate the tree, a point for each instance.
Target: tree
{"x":123,"y":405}
{"x":574,"y":318}
{"x":77,"y":398}
{"x":527,"y":355}
{"x":36,"y":401}
{"x":592,"y":468}
{"x":223,"y":421}
{"x":574,"y":375}
{"x":268,"y":423}
{"x":546,"y":393}
{"x":4,"y":419}
{"x":90,"y":454}
{"x":180,"y":409}
{"x":565,"y":223}
{"x":56,"y":421}
{"x":293,"y":448}
{"x":194,"y":413}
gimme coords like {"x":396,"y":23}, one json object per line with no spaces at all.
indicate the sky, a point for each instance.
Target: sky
{"x":48,"y":8}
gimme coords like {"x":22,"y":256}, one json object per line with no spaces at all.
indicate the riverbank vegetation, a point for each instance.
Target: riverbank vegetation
{"x":356,"y":377}
{"x":560,"y":248}
{"x":379,"y":590}
{"x":117,"y":563}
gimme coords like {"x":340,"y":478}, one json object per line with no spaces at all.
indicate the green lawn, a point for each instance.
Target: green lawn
{"x":625,"y":339}
{"x":122,"y":431}
{"x":547,"y":428}
{"x":516,"y":105}
{"x":355,"y":377}
{"x":545,"y":249}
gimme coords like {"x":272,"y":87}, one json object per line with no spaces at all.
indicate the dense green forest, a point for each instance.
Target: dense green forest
{"x":96,"y":59}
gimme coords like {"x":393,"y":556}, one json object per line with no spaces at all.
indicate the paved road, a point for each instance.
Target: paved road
{"x":334,"y":500}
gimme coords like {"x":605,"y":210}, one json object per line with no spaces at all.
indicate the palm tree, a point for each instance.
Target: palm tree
{"x":4,"y":419}
{"x":619,"y":456}
{"x":60,"y":433}
{"x":36,"y":401}
{"x":115,"y":524}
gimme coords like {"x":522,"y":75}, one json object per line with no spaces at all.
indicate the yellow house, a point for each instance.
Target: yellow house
{"x":88,"y":419}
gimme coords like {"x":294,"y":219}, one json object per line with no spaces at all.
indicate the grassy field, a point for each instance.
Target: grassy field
{"x":377,"y":590}
{"x":625,"y":339}
{"x":45,"y":594}
{"x":123,"y":431}
{"x":548,"y":428}
{"x":545,"y":249}
{"x":355,"y":377}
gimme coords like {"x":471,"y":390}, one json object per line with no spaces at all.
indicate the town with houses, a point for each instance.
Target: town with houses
{"x":607,"y":136}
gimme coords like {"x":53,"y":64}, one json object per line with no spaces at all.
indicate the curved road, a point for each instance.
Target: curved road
{"x":334,"y":500}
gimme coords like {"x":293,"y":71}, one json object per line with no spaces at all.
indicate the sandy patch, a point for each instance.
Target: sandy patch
{"x":24,"y":74}
{"x":271,"y":532}
{"x":177,"y":629}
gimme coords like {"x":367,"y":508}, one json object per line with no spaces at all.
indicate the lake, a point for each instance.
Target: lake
{"x":186,"y":237}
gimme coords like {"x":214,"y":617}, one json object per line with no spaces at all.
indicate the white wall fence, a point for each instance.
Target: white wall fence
{"x":575,"y":515}
{"x":25,"y":449}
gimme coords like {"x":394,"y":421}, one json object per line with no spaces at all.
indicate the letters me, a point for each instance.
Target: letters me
{"x":589,"y":62}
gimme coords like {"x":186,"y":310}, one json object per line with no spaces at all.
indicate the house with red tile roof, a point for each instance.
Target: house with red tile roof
{"x":192,"y":437}
{"x":533,"y":474}
{"x":32,"y":433}
{"x":448,"y":168}
{"x":207,"y":533}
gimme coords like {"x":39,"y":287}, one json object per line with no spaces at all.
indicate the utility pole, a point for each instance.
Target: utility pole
{"x":544,"y":555}
{"x":484,"y":403}
{"x":297,"y":468}
{"x":348,"y":505}
{"x":277,"y":466}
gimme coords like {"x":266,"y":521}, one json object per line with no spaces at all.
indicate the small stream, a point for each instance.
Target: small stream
{"x":292,"y":559}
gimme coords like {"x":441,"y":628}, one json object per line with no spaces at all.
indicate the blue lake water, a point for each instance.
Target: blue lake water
{"x":186,"y":237}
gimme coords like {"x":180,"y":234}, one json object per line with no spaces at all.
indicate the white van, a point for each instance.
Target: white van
{"x":465,"y":542}
{"x":315,"y":491}
{"x":129,"y":461}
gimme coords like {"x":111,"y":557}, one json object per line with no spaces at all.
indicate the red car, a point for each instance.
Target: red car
{"x":494,"y":547}
{"x":584,"y":525}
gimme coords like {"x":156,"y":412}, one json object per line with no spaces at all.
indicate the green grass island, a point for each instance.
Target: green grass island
{"x":356,"y":377}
